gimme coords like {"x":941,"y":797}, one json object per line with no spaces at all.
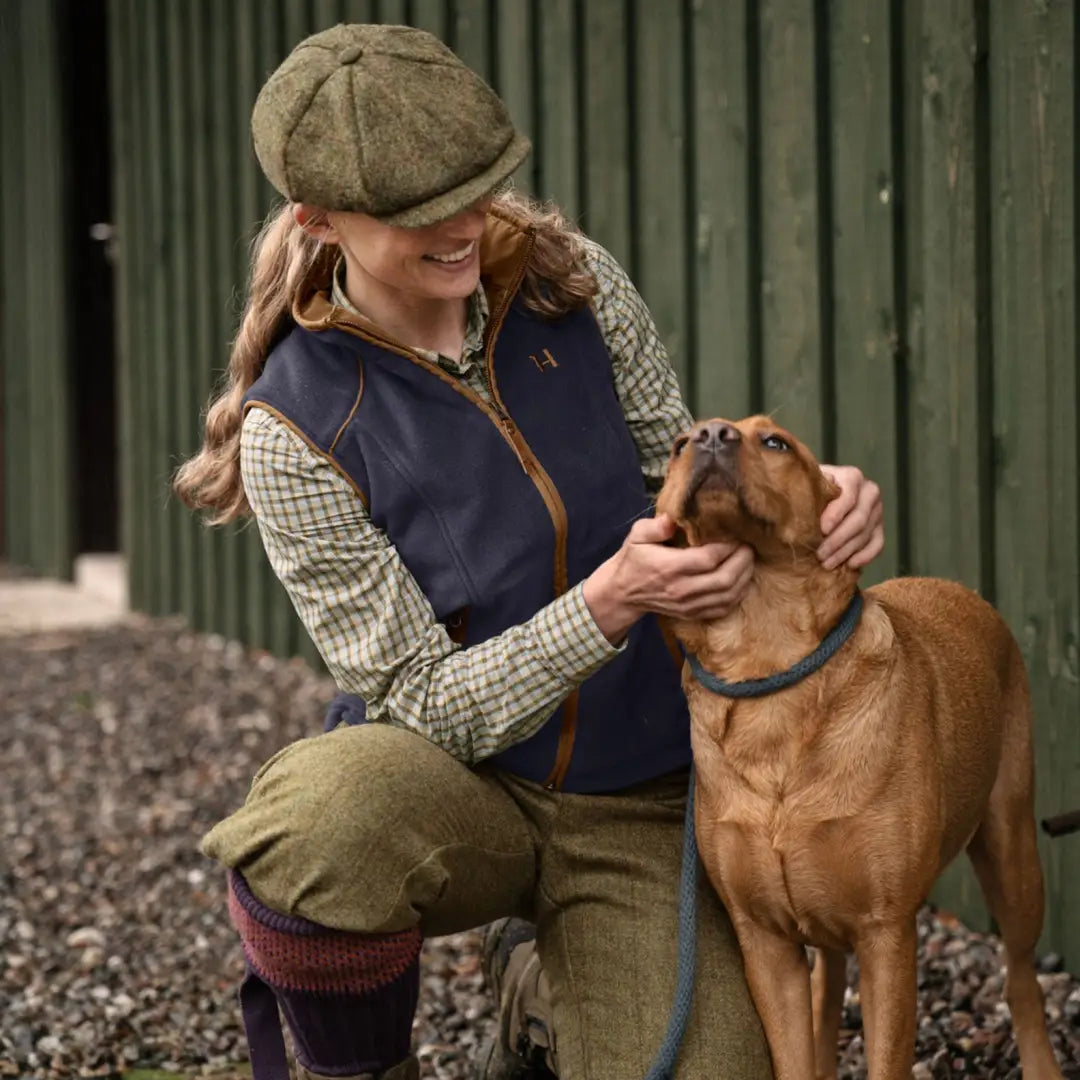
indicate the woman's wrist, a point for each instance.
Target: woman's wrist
{"x":608,"y":604}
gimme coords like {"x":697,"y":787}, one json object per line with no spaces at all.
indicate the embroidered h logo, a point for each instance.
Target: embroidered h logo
{"x":545,"y":361}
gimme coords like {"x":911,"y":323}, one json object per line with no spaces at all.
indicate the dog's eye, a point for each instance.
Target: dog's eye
{"x":774,"y":442}
{"x":680,"y":442}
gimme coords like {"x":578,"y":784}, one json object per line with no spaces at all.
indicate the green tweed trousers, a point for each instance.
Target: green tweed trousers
{"x":374,"y":829}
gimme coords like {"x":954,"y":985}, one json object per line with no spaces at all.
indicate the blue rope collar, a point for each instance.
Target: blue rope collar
{"x":780,"y":680}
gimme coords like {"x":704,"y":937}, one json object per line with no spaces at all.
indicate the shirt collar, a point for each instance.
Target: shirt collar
{"x":475,"y":324}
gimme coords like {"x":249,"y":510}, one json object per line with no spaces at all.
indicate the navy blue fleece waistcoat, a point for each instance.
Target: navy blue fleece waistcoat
{"x":471,"y":523}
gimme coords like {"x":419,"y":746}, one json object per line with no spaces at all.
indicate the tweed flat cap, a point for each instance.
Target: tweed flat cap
{"x":385,"y":120}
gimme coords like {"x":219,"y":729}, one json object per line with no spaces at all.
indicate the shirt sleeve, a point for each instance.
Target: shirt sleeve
{"x":376,"y":630}
{"x":645,"y":381}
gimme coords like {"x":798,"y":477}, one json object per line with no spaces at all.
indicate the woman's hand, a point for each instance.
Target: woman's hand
{"x":852,"y":522}
{"x":704,"y":582}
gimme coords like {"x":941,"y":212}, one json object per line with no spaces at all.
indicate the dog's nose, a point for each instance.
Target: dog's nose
{"x":717,"y":437}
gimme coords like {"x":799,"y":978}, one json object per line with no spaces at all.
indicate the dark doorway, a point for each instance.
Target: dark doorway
{"x":84,"y":52}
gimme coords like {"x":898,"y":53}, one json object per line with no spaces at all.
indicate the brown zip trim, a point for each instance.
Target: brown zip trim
{"x":556,"y":508}
{"x":352,"y":412}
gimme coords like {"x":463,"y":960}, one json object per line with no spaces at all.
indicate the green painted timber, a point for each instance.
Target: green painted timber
{"x":862,"y":238}
{"x":36,"y":351}
{"x":722,"y":223}
{"x":659,"y":245}
{"x":791,"y":309}
{"x":943,"y":439}
{"x":1033,"y":231}
{"x":860,"y":215}
{"x":605,"y":129}
{"x":558,"y":129}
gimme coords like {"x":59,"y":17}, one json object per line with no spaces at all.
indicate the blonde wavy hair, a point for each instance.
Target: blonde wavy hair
{"x":287,"y":264}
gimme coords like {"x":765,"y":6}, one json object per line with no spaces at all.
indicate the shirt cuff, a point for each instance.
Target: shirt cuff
{"x":574,"y":646}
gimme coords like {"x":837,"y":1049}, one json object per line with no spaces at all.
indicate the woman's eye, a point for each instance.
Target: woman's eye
{"x":680,"y":442}
{"x":774,"y":442}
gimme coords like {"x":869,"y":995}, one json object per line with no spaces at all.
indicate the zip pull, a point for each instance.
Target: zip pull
{"x":510,"y":429}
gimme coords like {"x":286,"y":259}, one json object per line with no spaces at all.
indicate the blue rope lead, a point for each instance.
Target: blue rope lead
{"x":664,"y":1066}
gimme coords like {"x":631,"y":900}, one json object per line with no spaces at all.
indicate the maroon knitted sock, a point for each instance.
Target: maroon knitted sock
{"x":348,"y":998}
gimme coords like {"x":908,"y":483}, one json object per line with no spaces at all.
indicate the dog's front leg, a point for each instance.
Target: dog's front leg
{"x":779,"y":978}
{"x":828,"y":984}
{"x":888,"y":994}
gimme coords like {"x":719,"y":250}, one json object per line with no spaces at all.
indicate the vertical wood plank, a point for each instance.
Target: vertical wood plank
{"x":605,"y":134}
{"x":296,"y":19}
{"x":35,"y":341}
{"x":327,"y":13}
{"x":1033,"y":112}
{"x":432,"y":16}
{"x":257,"y":31}
{"x":660,"y":164}
{"x":392,"y":12}
{"x":863,"y":299}
{"x":139,"y":254}
{"x":471,"y":22}
{"x":160,"y":414}
{"x":790,"y":258}
{"x":557,"y":135}
{"x":943,"y":381}
{"x":136,"y":252}
{"x":36,"y":466}
{"x":13,"y":316}
{"x":45,"y":267}
{"x":943,"y":435}
{"x":184,"y":408}
{"x":206,"y":346}
{"x":362,"y":11}
{"x":721,"y":222}
{"x":122,"y":161}
{"x":230,"y":140}
{"x":514,"y":80}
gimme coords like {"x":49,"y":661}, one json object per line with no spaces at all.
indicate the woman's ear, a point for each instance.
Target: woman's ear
{"x":315,"y":222}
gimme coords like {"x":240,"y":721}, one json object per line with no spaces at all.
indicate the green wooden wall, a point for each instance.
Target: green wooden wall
{"x":37,"y":512}
{"x":858,"y":214}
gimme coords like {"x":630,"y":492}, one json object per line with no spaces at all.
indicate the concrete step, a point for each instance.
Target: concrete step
{"x":97,"y":597}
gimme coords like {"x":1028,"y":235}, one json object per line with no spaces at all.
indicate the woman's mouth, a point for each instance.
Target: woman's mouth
{"x":454,"y":258}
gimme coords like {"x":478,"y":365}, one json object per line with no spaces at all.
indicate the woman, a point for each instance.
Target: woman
{"x":446,"y":409}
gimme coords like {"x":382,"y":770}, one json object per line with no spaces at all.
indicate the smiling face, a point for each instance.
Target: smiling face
{"x":436,"y":262}
{"x":746,"y":480}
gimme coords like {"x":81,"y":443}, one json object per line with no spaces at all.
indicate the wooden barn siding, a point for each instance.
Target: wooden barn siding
{"x":860,"y":215}
{"x":34,"y":380}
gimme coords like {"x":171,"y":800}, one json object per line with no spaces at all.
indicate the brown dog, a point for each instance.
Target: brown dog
{"x":826,"y":810}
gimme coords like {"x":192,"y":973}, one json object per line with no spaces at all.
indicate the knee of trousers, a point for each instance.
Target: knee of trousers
{"x":349,"y":829}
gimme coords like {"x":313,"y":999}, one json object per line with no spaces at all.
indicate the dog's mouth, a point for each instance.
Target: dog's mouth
{"x":716,"y":502}
{"x":713,"y":472}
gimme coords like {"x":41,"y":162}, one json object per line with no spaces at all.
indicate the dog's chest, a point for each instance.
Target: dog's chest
{"x":775,"y":829}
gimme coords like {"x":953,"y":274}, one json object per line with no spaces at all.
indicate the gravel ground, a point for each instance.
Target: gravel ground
{"x":119,"y":748}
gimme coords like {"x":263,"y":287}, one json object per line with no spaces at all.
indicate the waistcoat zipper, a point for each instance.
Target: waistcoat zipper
{"x":556,"y":508}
